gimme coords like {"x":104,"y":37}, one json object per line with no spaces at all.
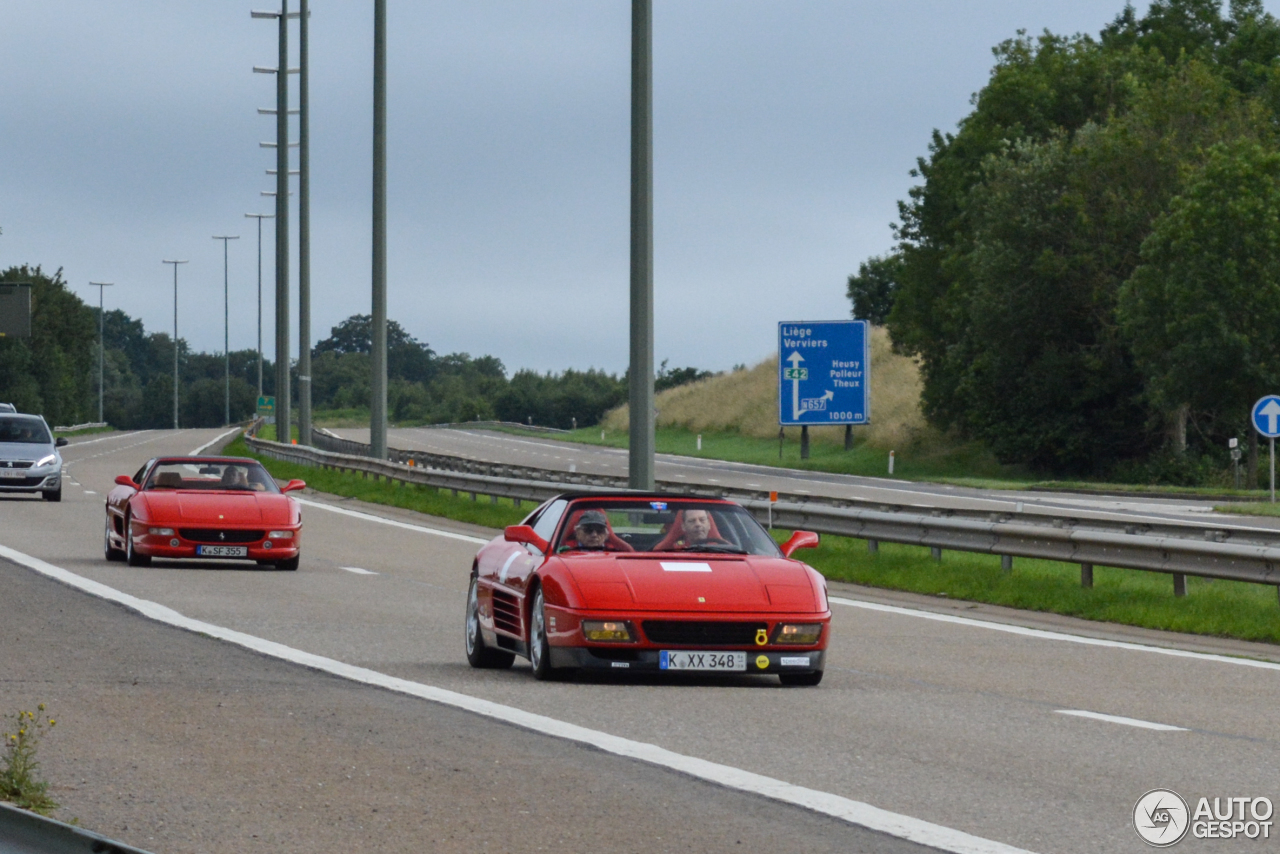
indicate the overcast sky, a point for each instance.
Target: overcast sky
{"x":784,"y":133}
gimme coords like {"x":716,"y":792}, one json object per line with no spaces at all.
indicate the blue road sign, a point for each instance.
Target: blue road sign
{"x":823,"y":371}
{"x":1266,"y":416}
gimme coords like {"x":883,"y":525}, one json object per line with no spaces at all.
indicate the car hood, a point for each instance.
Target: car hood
{"x":702,"y":583}
{"x":24,"y":451}
{"x":248,"y":509}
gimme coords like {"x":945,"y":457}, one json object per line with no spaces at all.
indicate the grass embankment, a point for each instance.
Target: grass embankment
{"x":423,"y":499}
{"x":87,"y":431}
{"x":1218,"y":608}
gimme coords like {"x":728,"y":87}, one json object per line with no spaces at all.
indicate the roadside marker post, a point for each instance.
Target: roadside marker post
{"x":1266,"y":420}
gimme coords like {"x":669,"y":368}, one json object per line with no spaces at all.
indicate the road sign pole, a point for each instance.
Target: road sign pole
{"x":804,"y":441}
{"x":1273,"y":471}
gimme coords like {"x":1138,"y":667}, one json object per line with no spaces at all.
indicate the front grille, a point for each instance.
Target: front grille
{"x":15,"y":464}
{"x":220,"y":535}
{"x":20,"y":481}
{"x":702,"y":633}
{"x":506,"y":613}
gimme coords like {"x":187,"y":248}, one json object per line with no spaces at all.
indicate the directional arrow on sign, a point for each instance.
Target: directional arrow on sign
{"x":1270,"y":411}
{"x":795,"y":359}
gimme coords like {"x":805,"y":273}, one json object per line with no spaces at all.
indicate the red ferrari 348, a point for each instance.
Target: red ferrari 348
{"x":203,"y":507}
{"x":647,"y":582}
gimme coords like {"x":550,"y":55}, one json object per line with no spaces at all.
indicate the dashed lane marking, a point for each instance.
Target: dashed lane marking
{"x":357,"y":570}
{"x":1117,"y":719}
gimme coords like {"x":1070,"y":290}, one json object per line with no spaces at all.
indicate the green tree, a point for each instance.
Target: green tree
{"x":872,"y":291}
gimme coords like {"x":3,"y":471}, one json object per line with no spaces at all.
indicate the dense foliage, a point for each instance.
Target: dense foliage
{"x":1087,"y":270}
{"x":55,"y":373}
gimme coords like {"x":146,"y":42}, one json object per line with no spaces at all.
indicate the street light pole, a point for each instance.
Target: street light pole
{"x":175,"y":339}
{"x":640,"y":452}
{"x":304,"y":233}
{"x":378,"y":385}
{"x":101,"y":341}
{"x":226,"y":330}
{"x":260,"y":218}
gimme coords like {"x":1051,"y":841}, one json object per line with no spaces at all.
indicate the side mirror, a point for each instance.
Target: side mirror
{"x":294,"y":486}
{"x":800,"y":540}
{"x":60,"y":442}
{"x":525,"y":534}
{"x":125,"y":480}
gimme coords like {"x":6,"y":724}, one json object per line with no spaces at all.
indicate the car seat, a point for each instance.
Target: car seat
{"x":676,"y":533}
{"x":168,"y":480}
{"x":612,"y":542}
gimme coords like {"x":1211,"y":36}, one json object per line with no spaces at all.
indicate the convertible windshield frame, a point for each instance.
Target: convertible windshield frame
{"x":656,"y":526}
{"x":226,"y":476}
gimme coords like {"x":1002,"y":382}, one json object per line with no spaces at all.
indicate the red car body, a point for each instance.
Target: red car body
{"x":533,"y":591}
{"x":197,"y":519}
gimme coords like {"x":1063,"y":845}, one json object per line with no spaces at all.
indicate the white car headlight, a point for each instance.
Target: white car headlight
{"x":280,"y":535}
{"x":47,"y":461}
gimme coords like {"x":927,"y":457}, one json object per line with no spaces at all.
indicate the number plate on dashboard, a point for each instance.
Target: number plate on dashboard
{"x":222,"y":551}
{"x":686,"y":660}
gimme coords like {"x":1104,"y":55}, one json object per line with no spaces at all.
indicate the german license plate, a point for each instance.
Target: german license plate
{"x":672,"y":660}
{"x":13,"y":472}
{"x":222,"y":551}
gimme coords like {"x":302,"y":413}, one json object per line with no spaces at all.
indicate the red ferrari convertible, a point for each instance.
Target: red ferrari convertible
{"x":641,"y":582}
{"x":203,"y":507}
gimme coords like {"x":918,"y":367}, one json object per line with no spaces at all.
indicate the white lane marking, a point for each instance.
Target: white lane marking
{"x":200,"y":450}
{"x":369,"y":517}
{"x":357,"y":570}
{"x":846,"y":809}
{"x":106,"y":438}
{"x":1117,"y":719}
{"x":1056,"y":636}
{"x":90,"y":492}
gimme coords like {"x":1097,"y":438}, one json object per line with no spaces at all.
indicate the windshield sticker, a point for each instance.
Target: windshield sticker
{"x":658,"y":505}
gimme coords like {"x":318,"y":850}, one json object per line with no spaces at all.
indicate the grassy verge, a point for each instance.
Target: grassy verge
{"x":88,"y":431}
{"x":1219,"y":608}
{"x":422,"y":499}
{"x":1131,"y":597}
{"x":1251,"y":508}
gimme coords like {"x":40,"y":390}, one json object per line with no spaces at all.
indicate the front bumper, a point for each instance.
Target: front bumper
{"x":156,"y":546}
{"x":647,"y":660}
{"x":39,"y":482}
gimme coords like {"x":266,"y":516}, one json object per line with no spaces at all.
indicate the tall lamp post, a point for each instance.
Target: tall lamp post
{"x":226,"y":329}
{"x":101,"y":341}
{"x":175,"y":339}
{"x":260,"y":218}
{"x":640,"y":452}
{"x":378,"y":386}
{"x":304,"y":232}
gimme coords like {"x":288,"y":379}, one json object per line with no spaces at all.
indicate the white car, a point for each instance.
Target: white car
{"x":29,"y":458}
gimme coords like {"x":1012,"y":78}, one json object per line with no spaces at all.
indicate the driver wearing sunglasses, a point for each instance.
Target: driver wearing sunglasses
{"x":591,"y":531}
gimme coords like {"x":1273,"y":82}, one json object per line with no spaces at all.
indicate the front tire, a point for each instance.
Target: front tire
{"x":539,"y":647}
{"x":53,"y":496}
{"x":807,"y":680}
{"x":480,"y":656}
{"x":131,"y":555}
{"x":290,"y":565}
{"x":109,"y":551}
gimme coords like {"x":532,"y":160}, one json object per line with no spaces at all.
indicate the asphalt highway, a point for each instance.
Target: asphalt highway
{"x":936,"y":712}
{"x":534,"y":451}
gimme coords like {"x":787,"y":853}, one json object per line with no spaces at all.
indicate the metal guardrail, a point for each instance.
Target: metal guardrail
{"x":24,"y":832}
{"x":1173,"y":548}
{"x":79,"y":427}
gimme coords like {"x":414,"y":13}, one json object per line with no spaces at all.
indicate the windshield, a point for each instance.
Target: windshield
{"x":218,"y":477}
{"x":24,"y":429}
{"x":663,"y":526}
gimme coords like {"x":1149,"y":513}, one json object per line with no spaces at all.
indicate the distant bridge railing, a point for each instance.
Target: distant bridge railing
{"x":1235,"y":552}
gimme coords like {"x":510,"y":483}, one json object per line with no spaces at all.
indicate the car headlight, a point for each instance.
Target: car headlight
{"x":160,"y":532}
{"x":47,"y":461}
{"x":608,"y":631}
{"x":279,"y":535}
{"x":798,"y":633}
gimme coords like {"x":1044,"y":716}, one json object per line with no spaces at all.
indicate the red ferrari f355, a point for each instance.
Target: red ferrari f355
{"x":647,"y":582}
{"x":206,"y":508}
